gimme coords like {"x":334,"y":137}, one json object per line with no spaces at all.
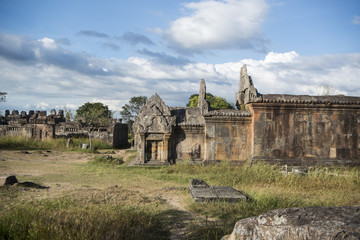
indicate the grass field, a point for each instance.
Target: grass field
{"x":92,"y":197}
{"x":24,"y":143}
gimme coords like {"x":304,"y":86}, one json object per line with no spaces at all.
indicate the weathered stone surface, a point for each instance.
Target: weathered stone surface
{"x":247,"y":92}
{"x":281,"y":129}
{"x":306,"y":133}
{"x":10,"y":180}
{"x":39,"y":125}
{"x":203,"y":104}
{"x":200,"y":191}
{"x":301,"y":223}
{"x":152,"y":129}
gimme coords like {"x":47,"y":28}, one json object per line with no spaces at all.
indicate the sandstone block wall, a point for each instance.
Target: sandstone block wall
{"x":306,"y":133}
{"x":228,"y":138}
{"x":187,"y":142}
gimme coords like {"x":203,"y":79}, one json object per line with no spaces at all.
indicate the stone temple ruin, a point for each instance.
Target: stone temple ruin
{"x":285,"y":129}
{"x":39,"y":125}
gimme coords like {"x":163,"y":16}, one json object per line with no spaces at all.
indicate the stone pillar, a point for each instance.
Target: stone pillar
{"x":166,"y":148}
{"x":142,"y":156}
{"x":202,"y":103}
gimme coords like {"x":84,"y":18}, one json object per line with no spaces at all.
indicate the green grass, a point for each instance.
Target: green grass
{"x":24,"y":143}
{"x":266,"y":186}
{"x":139,"y":204}
{"x":106,"y":159}
{"x":84,"y":218}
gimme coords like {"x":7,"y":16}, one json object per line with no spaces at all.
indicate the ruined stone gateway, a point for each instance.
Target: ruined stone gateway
{"x":286,"y":129}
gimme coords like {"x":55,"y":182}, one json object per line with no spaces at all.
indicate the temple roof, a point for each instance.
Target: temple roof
{"x":228,"y":112}
{"x":306,"y":99}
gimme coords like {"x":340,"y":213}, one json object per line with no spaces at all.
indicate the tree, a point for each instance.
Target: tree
{"x":3,"y":96}
{"x":215,"y":102}
{"x":130,"y":110}
{"x":92,"y":116}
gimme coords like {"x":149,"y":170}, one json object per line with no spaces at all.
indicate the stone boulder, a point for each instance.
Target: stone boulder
{"x":301,"y":223}
{"x":10,"y":180}
{"x":200,"y":191}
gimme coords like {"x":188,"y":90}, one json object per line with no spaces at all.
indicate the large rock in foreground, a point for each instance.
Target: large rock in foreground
{"x":301,"y":223}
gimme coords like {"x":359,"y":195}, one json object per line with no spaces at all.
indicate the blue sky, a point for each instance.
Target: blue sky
{"x":56,"y":54}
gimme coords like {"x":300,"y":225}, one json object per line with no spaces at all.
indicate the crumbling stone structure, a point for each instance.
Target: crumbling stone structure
{"x":292,"y":129}
{"x":39,"y":125}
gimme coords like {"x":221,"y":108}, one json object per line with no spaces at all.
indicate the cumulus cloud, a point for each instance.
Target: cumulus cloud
{"x":48,"y":43}
{"x":16,"y":48}
{"x":42,"y":105}
{"x":46,"y":51}
{"x":51,"y":76}
{"x":224,"y":24}
{"x":273,"y":57}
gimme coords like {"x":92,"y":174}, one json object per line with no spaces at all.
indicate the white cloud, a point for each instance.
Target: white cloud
{"x":48,"y":43}
{"x":219,"y":25}
{"x":114,"y":105}
{"x":42,"y":105}
{"x":44,"y":86}
{"x":273,"y":57}
{"x":356,"y":20}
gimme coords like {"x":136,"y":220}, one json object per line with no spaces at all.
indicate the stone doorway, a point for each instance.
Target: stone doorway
{"x":154,"y":150}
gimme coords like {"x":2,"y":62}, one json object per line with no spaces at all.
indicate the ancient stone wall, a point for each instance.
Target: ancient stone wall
{"x":305,"y":134}
{"x":228,"y":138}
{"x":120,"y":136}
{"x":187,"y":142}
{"x":37,"y":131}
{"x":291,"y":129}
{"x":39,"y":125}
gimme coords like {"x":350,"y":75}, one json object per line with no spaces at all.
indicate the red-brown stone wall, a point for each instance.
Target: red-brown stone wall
{"x":184,"y":140}
{"x":305,"y":132}
{"x":227,"y":138}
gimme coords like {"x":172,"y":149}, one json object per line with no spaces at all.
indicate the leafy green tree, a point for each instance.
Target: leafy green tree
{"x":131,"y":109}
{"x":92,"y":116}
{"x":215,"y":102}
{"x":3,"y":96}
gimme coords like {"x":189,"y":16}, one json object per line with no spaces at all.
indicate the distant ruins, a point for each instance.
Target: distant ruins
{"x":288,"y":129}
{"x":39,"y":125}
